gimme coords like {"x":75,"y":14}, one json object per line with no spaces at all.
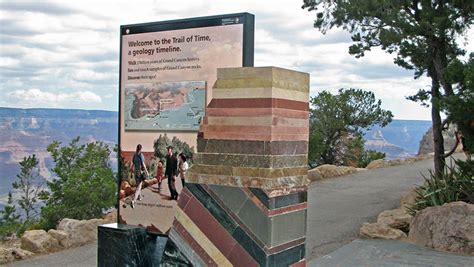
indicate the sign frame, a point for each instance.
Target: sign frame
{"x":246,"y":19}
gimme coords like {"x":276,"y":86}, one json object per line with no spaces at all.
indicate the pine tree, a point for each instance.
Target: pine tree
{"x":9,"y":219}
{"x":27,"y":186}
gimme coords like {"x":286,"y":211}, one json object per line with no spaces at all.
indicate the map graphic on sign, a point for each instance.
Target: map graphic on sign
{"x":165,"y":105}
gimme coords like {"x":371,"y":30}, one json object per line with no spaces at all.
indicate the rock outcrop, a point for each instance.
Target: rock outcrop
{"x":380,"y":231}
{"x":61,"y":236}
{"x":81,"y":232}
{"x":314,"y":175}
{"x":378,"y":163}
{"x":70,"y":233}
{"x":397,"y":219}
{"x":39,"y":241}
{"x":427,"y":145}
{"x":12,"y":254}
{"x":449,"y":227}
{"x":381,"y":163}
{"x":328,"y":171}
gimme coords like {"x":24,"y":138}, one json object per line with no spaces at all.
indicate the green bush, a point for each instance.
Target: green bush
{"x":456,"y":183}
{"x":369,"y":156}
{"x":10,"y":223}
{"x":84,"y":184}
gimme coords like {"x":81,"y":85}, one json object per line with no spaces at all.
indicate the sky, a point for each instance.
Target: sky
{"x":65,"y":54}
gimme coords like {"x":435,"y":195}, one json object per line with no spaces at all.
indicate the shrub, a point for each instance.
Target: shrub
{"x":83,"y":186}
{"x":456,"y":183}
{"x":369,"y":156}
{"x":9,"y":219}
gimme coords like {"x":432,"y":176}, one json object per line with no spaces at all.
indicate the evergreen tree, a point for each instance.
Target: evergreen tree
{"x":84,"y":185}
{"x":422,"y":35}
{"x":337,"y":122}
{"x":28,"y":187}
{"x":9,"y":219}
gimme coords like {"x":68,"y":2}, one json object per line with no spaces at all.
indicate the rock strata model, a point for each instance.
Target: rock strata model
{"x":246,"y":197}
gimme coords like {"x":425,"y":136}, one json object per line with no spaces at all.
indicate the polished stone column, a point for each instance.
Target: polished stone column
{"x":128,"y":245}
{"x":245,"y":202}
{"x":122,"y":245}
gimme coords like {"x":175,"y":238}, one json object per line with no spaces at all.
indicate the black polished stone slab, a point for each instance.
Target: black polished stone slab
{"x":287,"y":257}
{"x":123,"y":245}
{"x":172,"y":256}
{"x":279,"y":201}
{"x":128,"y":245}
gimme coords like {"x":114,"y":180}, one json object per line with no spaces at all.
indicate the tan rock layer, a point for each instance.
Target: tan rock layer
{"x":247,"y":171}
{"x":246,"y":181}
{"x":262,"y":77}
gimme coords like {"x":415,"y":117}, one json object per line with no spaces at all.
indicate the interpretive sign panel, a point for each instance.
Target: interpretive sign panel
{"x":167,"y":71}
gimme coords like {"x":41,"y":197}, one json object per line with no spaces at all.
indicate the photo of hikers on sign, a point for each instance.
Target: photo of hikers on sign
{"x":151,"y":183}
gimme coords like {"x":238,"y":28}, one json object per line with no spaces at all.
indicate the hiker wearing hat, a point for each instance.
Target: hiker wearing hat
{"x":171,"y":172}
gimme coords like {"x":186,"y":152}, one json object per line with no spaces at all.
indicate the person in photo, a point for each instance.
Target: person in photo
{"x":170,"y":172}
{"x":160,"y":172}
{"x":140,"y":171}
{"x":183,"y":168}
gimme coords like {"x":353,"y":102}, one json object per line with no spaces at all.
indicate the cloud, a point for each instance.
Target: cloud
{"x":38,"y":97}
{"x":70,"y":49}
{"x":37,"y":7}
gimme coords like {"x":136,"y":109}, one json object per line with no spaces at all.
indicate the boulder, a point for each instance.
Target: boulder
{"x":380,"y":231}
{"x":449,"y":227}
{"x":410,"y":160}
{"x":395,"y":162}
{"x":397,"y":218}
{"x":61,"y":236}
{"x":328,"y":170}
{"x":11,"y":254}
{"x":378,"y":163}
{"x":314,"y":175}
{"x":111,"y":217}
{"x":80,"y":232}
{"x":38,"y":241}
{"x":408,"y":199}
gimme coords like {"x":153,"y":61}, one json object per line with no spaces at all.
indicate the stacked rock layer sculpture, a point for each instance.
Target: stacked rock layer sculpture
{"x":246,"y":197}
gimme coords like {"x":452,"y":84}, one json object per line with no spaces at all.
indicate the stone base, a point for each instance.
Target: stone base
{"x":126,"y":245}
{"x":226,"y":225}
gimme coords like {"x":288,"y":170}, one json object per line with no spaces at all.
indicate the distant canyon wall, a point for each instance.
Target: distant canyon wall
{"x":24,"y":132}
{"x":427,"y":144}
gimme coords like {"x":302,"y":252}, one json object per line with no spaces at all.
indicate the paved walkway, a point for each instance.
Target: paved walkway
{"x":389,"y":253}
{"x":337,"y":208}
{"x":83,"y":256}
